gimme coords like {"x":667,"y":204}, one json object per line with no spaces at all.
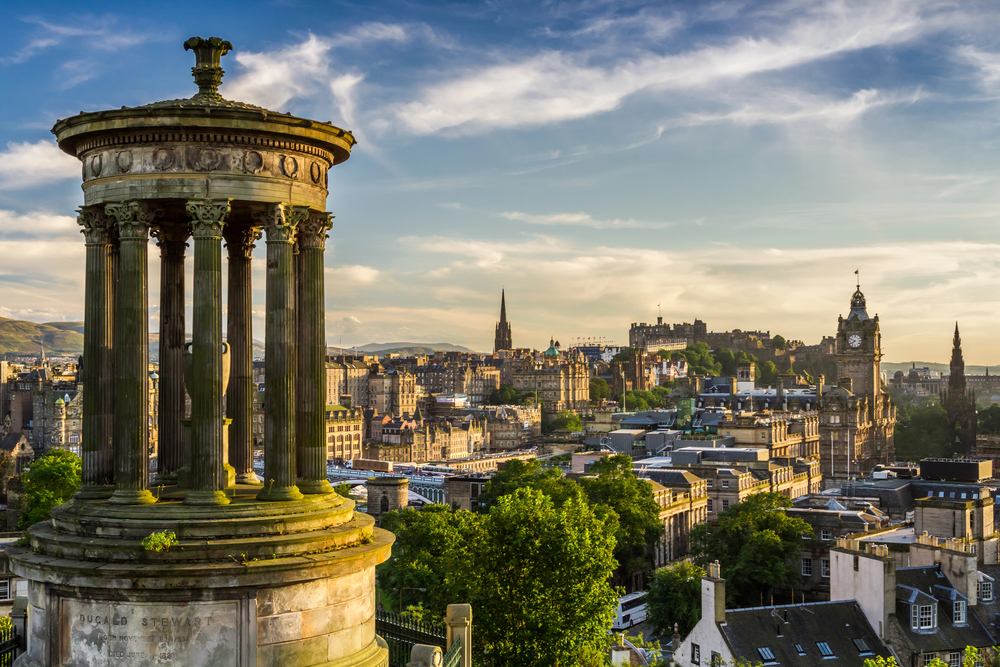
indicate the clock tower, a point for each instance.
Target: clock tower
{"x":859,"y":349}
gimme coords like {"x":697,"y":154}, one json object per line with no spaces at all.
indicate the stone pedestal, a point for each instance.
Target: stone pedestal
{"x":249,"y":584}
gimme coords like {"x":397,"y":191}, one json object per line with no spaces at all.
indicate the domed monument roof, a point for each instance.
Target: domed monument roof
{"x":859,"y":308}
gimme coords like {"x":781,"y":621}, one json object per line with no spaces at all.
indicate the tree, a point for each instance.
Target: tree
{"x":529,"y":475}
{"x":675,"y":597}
{"x":972,"y":657}
{"x":989,"y":420}
{"x":599,"y":389}
{"x":505,"y":394}
{"x":921,"y":433}
{"x":566,"y":420}
{"x":700,"y":360}
{"x":635,"y":403}
{"x":428,"y":564}
{"x":757,"y":545}
{"x":779,"y":342}
{"x":767,"y":374}
{"x":727,"y":361}
{"x":616,"y":487}
{"x":50,"y":481}
{"x":542,"y":594}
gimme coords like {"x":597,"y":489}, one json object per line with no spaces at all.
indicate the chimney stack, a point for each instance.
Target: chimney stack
{"x":713,"y":595}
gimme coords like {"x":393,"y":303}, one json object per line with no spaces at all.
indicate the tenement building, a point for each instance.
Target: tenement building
{"x":560,"y":379}
{"x":277,"y":571}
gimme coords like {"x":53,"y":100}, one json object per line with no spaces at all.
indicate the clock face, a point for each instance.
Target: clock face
{"x":854,"y":340}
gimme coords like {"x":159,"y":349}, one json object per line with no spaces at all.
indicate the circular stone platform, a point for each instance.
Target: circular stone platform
{"x":250,"y":583}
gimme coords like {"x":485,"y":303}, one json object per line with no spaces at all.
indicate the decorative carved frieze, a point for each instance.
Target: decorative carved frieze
{"x":208,"y":216}
{"x":98,"y":227}
{"x":313,"y":228}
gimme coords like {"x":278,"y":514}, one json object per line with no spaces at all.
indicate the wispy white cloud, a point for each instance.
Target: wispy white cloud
{"x":352,"y":275}
{"x":102,"y":34}
{"x":27,"y":164}
{"x":582,"y":220}
{"x":556,"y":86}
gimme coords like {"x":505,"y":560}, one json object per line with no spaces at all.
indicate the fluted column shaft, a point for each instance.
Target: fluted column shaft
{"x":170,"y":457}
{"x":239,"y":334}
{"x":311,"y":397}
{"x":131,"y":356}
{"x":207,"y":456}
{"x":279,"y":224}
{"x":97,"y":478}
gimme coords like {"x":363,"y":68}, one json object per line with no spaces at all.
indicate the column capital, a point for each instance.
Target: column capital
{"x":134,"y":218}
{"x":208,"y":216}
{"x":171,"y":240}
{"x":240,"y":241}
{"x":279,"y":222}
{"x":98,"y":226}
{"x":313,"y":228}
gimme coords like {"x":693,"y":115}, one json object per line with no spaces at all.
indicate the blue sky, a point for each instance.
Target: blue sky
{"x":732,"y":161}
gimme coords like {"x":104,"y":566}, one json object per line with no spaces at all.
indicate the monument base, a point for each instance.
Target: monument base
{"x":248,"y":584}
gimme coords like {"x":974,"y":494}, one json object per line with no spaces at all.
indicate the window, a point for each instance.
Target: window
{"x":986,"y":591}
{"x":766,"y":653}
{"x":725,"y":483}
{"x":710,"y":484}
{"x":824,"y":567}
{"x":798,"y":647}
{"x":861,"y":645}
{"x":826,"y":535}
{"x":695,"y":654}
{"x":856,"y":562}
{"x":807,"y":567}
{"x":959,"y":612}
{"x":716,"y":660}
{"x":725,"y":505}
{"x":824,"y":649}
{"x":929,"y":658}
{"x":926,"y":616}
{"x":955,"y":659}
{"x":5,"y":592}
{"x":709,"y":504}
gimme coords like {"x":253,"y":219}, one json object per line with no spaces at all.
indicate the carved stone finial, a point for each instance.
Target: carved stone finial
{"x":208,"y":70}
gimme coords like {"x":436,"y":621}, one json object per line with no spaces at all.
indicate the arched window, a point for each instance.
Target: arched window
{"x":385,"y":503}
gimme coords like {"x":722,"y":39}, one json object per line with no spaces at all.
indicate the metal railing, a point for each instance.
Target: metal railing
{"x":401,"y":633}
{"x":453,"y":658}
{"x":8,"y":647}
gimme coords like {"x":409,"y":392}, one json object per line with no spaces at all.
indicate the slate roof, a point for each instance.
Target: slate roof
{"x":673,"y":477}
{"x":785,"y":628}
{"x":9,"y":443}
{"x":920,"y":583}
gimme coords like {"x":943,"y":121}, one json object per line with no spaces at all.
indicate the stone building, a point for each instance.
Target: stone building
{"x":344,"y":433}
{"x":857,"y":417}
{"x":782,"y":434}
{"x":560,"y":379}
{"x":393,"y":392}
{"x":683,"y":500}
{"x":513,"y":426}
{"x":346,"y":381}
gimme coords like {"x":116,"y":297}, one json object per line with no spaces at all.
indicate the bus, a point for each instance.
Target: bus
{"x":631,"y":609}
{"x":445,"y":470}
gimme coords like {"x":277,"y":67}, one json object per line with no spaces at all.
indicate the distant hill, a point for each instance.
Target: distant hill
{"x":26,"y":338}
{"x":890,"y":368}
{"x":401,"y":348}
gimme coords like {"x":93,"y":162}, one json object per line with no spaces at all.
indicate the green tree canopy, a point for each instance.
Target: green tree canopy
{"x":779,"y":342}
{"x":566,"y":420}
{"x":700,"y":360}
{"x":529,"y":475}
{"x":989,"y":420}
{"x":431,"y":549}
{"x":675,"y":597}
{"x":505,"y":394}
{"x":542,"y":594}
{"x":767,"y":374}
{"x":50,"y":481}
{"x":756,"y":543}
{"x":599,"y":389}
{"x":921,"y":433}
{"x":616,"y":487}
{"x":727,"y":361}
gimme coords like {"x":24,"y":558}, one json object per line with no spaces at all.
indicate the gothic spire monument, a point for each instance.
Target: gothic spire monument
{"x":279,"y":571}
{"x":502,"y":340}
{"x":959,"y":402}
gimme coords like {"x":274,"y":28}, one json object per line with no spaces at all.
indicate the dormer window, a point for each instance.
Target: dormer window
{"x":958,"y":614}
{"x":986,"y":591}
{"x":922,"y":617}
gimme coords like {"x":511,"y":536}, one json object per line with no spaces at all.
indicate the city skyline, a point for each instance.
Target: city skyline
{"x":735,"y":165}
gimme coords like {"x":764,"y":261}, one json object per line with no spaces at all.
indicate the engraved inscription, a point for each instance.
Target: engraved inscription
{"x":99,"y":634}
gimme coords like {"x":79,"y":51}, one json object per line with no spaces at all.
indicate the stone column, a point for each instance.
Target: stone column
{"x":98,"y":356}
{"x":239,"y":334}
{"x":132,"y":355}
{"x":207,"y":476}
{"x":311,"y":399}
{"x":279,"y":225}
{"x":170,"y":457}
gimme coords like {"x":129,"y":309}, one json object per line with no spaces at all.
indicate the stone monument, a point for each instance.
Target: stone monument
{"x":272,"y":572}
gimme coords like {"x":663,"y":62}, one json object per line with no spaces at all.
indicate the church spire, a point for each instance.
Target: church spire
{"x":956,"y":381}
{"x":502,"y":341}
